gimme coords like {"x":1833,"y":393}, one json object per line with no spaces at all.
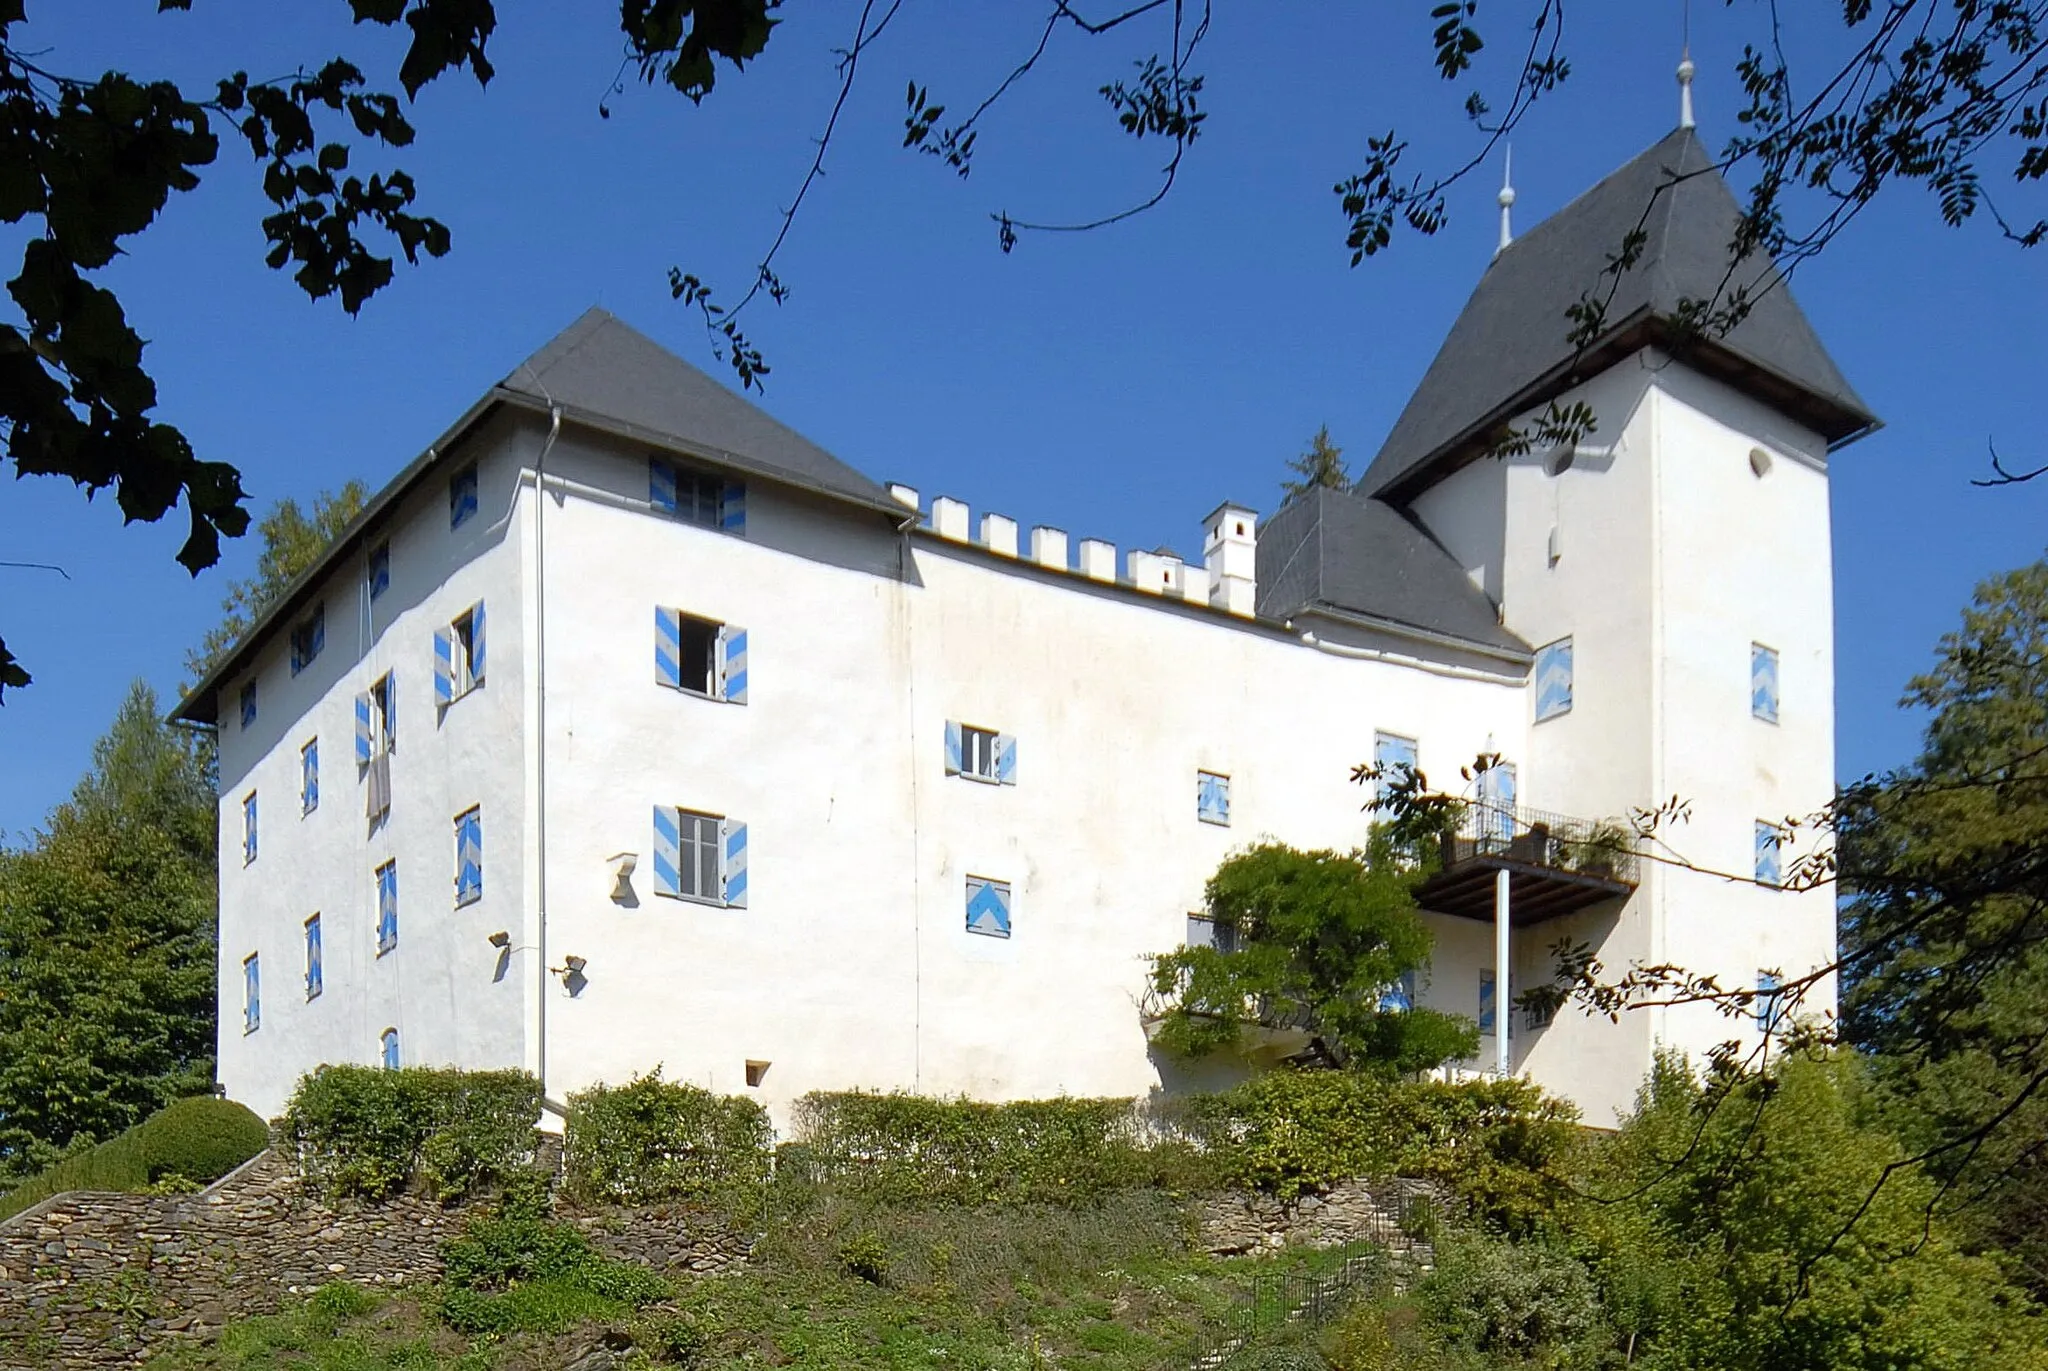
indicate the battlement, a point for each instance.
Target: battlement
{"x":1223,"y":580}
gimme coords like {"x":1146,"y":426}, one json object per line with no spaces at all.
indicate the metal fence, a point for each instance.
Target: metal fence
{"x":1602,"y":849}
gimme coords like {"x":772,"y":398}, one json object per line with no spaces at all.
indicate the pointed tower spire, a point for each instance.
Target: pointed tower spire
{"x":1685,"y":71}
{"x":1507,"y":202}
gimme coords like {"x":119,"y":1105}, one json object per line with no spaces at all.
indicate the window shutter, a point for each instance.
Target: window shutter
{"x":952,"y":747}
{"x":661,"y":485}
{"x":732,"y":507}
{"x":668,"y":854}
{"x":1769,"y":862}
{"x":391,"y":711}
{"x":444,"y":665}
{"x":1763,"y":682}
{"x":988,"y":907}
{"x":732,"y":663}
{"x":248,"y":703}
{"x":735,"y":835}
{"x":363,"y":728}
{"x":668,"y":646}
{"x":1553,"y":679}
{"x":298,"y":652}
{"x":317,"y":638}
{"x":476,"y":644}
{"x":1486,"y":1007}
{"x":390,"y":1049}
{"x":313,"y":977}
{"x":469,"y":858}
{"x":252,"y":994}
{"x":309,"y":778}
{"x":1006,"y":759}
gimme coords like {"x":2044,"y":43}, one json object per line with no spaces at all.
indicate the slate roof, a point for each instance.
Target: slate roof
{"x":606,"y":376}
{"x":1342,"y":551}
{"x":1508,"y":349}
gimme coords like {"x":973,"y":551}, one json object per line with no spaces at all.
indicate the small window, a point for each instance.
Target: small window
{"x":1763,"y":682}
{"x":462,"y":501}
{"x":314,"y":983}
{"x":696,"y":497}
{"x":309,"y":635}
{"x":1770,"y":862}
{"x":980,"y":754}
{"x":1769,"y":999}
{"x":757,"y":1072}
{"x":1212,"y":798}
{"x":380,"y":569}
{"x":248,"y":703}
{"x":387,"y":907}
{"x":377,"y":719}
{"x":249,"y":828}
{"x":459,"y":656}
{"x":686,"y":855}
{"x":1540,"y":1015}
{"x":309,"y":777}
{"x":1399,"y":997}
{"x":387,"y":1046}
{"x":1553,"y":679}
{"x":1204,"y":931}
{"x":988,"y":907}
{"x":469,"y":857}
{"x":1486,"y":1002}
{"x":1395,"y":756}
{"x":700,"y":656}
{"x":252,"y":993}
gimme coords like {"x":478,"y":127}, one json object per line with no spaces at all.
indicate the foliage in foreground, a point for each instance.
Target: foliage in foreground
{"x":190,"y":1143}
{"x":651,"y":1141}
{"x":368,"y":1132}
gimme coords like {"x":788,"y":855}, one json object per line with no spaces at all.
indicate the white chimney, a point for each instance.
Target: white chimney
{"x":1230,"y":552}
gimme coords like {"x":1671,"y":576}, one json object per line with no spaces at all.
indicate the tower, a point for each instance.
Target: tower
{"x":1671,"y":569}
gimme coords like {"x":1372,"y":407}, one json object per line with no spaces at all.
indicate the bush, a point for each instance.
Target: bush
{"x":652,"y":1140}
{"x":366,"y":1131}
{"x":514,"y":1274}
{"x":912,"y":1148}
{"x":865,"y":1255}
{"x":1522,"y":1301}
{"x":187,"y":1144}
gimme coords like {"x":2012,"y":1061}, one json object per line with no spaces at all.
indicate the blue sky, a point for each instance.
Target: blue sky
{"x":1118,"y":384}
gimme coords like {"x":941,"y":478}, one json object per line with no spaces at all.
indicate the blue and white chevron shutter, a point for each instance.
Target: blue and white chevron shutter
{"x":732,"y":664}
{"x":252,"y":993}
{"x":988,"y":907}
{"x":1006,"y":759}
{"x":1212,"y":798}
{"x":469,"y":857}
{"x":735,"y":839}
{"x":661,"y":485}
{"x":363,"y":728}
{"x":462,"y":500}
{"x":444,"y":665}
{"x":314,"y":980}
{"x":476,"y":644}
{"x":668,"y":853}
{"x":1770,"y":863}
{"x":1486,"y":1005}
{"x":387,"y":907}
{"x":1553,"y":679}
{"x":248,"y":703}
{"x":1763,"y":682}
{"x":952,"y":747}
{"x":668,"y":646}
{"x":309,"y":777}
{"x":732,"y":507}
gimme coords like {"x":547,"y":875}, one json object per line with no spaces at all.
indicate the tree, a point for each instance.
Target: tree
{"x":1322,"y":941}
{"x":1321,"y":465}
{"x":291,"y":543}
{"x":1928,"y":92}
{"x":107,"y":947}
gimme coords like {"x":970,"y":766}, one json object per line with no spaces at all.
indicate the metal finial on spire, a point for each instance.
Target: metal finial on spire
{"x":1507,"y":202}
{"x":1685,"y":71}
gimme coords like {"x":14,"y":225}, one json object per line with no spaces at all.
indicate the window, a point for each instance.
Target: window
{"x":1554,"y":679}
{"x":377,"y":719}
{"x":696,"y":497}
{"x":988,"y":907}
{"x":1496,"y":817}
{"x":249,"y":828}
{"x":980,"y":754}
{"x":380,"y":569}
{"x":1769,"y":998}
{"x":1399,"y":997}
{"x":1541,"y":1015}
{"x":700,"y":656}
{"x":309,"y":777}
{"x":1770,"y":863}
{"x":387,"y":1046}
{"x":1394,"y":756}
{"x":1212,"y":798}
{"x":387,"y":907}
{"x":1204,"y":931}
{"x":700,"y":857}
{"x":314,"y":984}
{"x":252,"y":993}
{"x":461,"y":496}
{"x":308,"y":637}
{"x":459,"y":656}
{"x":469,"y":857}
{"x":1486,"y":1005}
{"x":1763,"y":682}
{"x":248,"y":703}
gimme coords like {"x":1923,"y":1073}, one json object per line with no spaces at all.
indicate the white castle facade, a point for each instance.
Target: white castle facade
{"x":629,"y":729}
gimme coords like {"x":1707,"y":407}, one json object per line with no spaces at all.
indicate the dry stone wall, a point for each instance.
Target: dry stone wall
{"x":1382,"y":1212}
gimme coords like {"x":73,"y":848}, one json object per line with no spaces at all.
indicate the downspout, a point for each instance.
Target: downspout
{"x":540,"y":781}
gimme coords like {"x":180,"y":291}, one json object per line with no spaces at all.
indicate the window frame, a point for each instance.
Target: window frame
{"x":974,"y":738}
{"x":462,"y":653}
{"x":383,"y":732}
{"x":690,"y":852}
{"x":1381,"y":737}
{"x":1220,"y":936}
{"x":308,"y":638}
{"x":388,"y":1050}
{"x":688,"y":485}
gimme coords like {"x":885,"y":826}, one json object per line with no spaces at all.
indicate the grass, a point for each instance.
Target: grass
{"x":182,"y":1146}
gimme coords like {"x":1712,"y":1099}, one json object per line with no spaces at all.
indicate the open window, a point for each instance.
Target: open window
{"x":700,"y":656}
{"x":459,"y":656}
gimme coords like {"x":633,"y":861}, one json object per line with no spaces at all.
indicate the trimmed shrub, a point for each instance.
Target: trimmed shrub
{"x":902,"y":1148}
{"x":369,"y":1132}
{"x":651,"y":1141}
{"x":187,"y":1144}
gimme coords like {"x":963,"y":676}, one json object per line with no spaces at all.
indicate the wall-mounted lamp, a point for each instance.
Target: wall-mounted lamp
{"x":571,"y":972}
{"x":623,"y":865}
{"x":501,"y":940}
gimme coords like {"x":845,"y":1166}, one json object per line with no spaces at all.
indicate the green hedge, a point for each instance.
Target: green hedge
{"x":188,"y":1143}
{"x":903,"y":1148}
{"x":369,"y":1132}
{"x":651,"y":1141}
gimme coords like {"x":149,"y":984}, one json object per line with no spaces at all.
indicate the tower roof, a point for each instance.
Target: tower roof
{"x":1509,"y":349}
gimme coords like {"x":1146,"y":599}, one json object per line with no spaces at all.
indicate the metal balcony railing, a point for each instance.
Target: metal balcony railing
{"x":1556,"y":863}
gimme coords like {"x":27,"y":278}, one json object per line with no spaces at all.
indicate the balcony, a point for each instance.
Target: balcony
{"x":1556,"y":865}
{"x":1269,"y":1028}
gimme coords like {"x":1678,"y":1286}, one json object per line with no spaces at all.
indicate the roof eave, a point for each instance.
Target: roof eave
{"x":1521,"y":657}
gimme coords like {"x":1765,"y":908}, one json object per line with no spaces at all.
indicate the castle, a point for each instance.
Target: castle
{"x":784,"y":780}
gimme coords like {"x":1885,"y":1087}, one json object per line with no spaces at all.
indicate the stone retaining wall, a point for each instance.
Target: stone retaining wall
{"x":1351,"y":1211}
